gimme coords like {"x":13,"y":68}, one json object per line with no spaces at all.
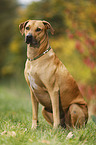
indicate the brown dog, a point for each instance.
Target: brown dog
{"x":50,"y":82}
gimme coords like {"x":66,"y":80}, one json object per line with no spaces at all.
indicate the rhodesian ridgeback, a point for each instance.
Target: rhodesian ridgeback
{"x":49,"y":81}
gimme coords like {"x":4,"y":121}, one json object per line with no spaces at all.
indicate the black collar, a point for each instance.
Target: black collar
{"x":39,"y":55}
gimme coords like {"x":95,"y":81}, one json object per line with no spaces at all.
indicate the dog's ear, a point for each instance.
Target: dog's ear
{"x":22,"y":27}
{"x":48,"y":26}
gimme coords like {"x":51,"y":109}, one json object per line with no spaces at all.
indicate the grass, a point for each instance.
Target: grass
{"x":15,"y":122}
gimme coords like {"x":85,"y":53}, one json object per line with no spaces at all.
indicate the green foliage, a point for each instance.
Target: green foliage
{"x":7,"y":16}
{"x":49,"y":10}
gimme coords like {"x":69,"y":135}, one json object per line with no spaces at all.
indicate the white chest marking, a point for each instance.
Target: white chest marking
{"x":32,"y":82}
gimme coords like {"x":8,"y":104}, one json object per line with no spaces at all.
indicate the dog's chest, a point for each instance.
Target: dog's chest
{"x":33,"y":83}
{"x":39,"y":90}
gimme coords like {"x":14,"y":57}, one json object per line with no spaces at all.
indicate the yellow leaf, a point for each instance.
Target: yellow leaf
{"x":4,"y":132}
{"x":45,"y":141}
{"x":30,"y":140}
{"x":70,"y":135}
{"x":11,"y":133}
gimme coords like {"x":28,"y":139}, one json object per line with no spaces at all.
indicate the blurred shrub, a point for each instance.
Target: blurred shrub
{"x":49,"y":10}
{"x":7,"y":16}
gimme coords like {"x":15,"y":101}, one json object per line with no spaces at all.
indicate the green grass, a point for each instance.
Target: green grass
{"x":16,"y":116}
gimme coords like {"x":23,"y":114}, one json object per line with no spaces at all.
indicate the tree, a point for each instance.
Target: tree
{"x":7,"y":16}
{"x":49,"y":10}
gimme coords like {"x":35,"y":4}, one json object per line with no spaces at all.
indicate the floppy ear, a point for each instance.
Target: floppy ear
{"x":22,"y":27}
{"x":48,"y":26}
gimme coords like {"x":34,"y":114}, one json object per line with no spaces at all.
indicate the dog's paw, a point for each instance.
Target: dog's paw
{"x":55,"y":126}
{"x":34,"y":124}
{"x":33,"y":127}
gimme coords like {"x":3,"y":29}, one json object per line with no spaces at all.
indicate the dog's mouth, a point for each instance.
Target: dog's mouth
{"x":29,"y":39}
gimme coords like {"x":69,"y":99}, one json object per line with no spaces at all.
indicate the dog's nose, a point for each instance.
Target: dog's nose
{"x":28,"y":38}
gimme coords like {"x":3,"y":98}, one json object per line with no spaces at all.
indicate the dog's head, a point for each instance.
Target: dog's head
{"x":35,"y":31}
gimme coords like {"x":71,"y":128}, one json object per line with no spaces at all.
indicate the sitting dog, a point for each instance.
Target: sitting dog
{"x":49,"y":81}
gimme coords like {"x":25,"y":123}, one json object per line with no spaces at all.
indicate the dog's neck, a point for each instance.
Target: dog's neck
{"x":33,"y":52}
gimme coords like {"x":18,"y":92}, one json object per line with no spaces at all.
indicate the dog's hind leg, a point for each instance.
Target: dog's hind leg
{"x":75,"y":117}
{"x":48,"y":116}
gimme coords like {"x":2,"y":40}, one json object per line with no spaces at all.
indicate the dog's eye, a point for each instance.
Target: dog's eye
{"x":27,"y":28}
{"x":38,"y":29}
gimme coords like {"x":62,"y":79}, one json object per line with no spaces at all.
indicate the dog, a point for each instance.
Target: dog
{"x":49,"y":81}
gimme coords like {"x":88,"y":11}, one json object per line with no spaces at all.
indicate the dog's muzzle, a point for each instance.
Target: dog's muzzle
{"x":29,"y":39}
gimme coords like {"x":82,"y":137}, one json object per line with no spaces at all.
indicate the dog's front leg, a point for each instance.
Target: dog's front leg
{"x":55,"y":106}
{"x":34,"y":110}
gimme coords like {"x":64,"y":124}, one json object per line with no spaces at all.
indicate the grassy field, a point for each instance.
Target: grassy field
{"x":15,"y":122}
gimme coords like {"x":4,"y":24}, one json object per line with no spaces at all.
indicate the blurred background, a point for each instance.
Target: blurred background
{"x":74,"y":40}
